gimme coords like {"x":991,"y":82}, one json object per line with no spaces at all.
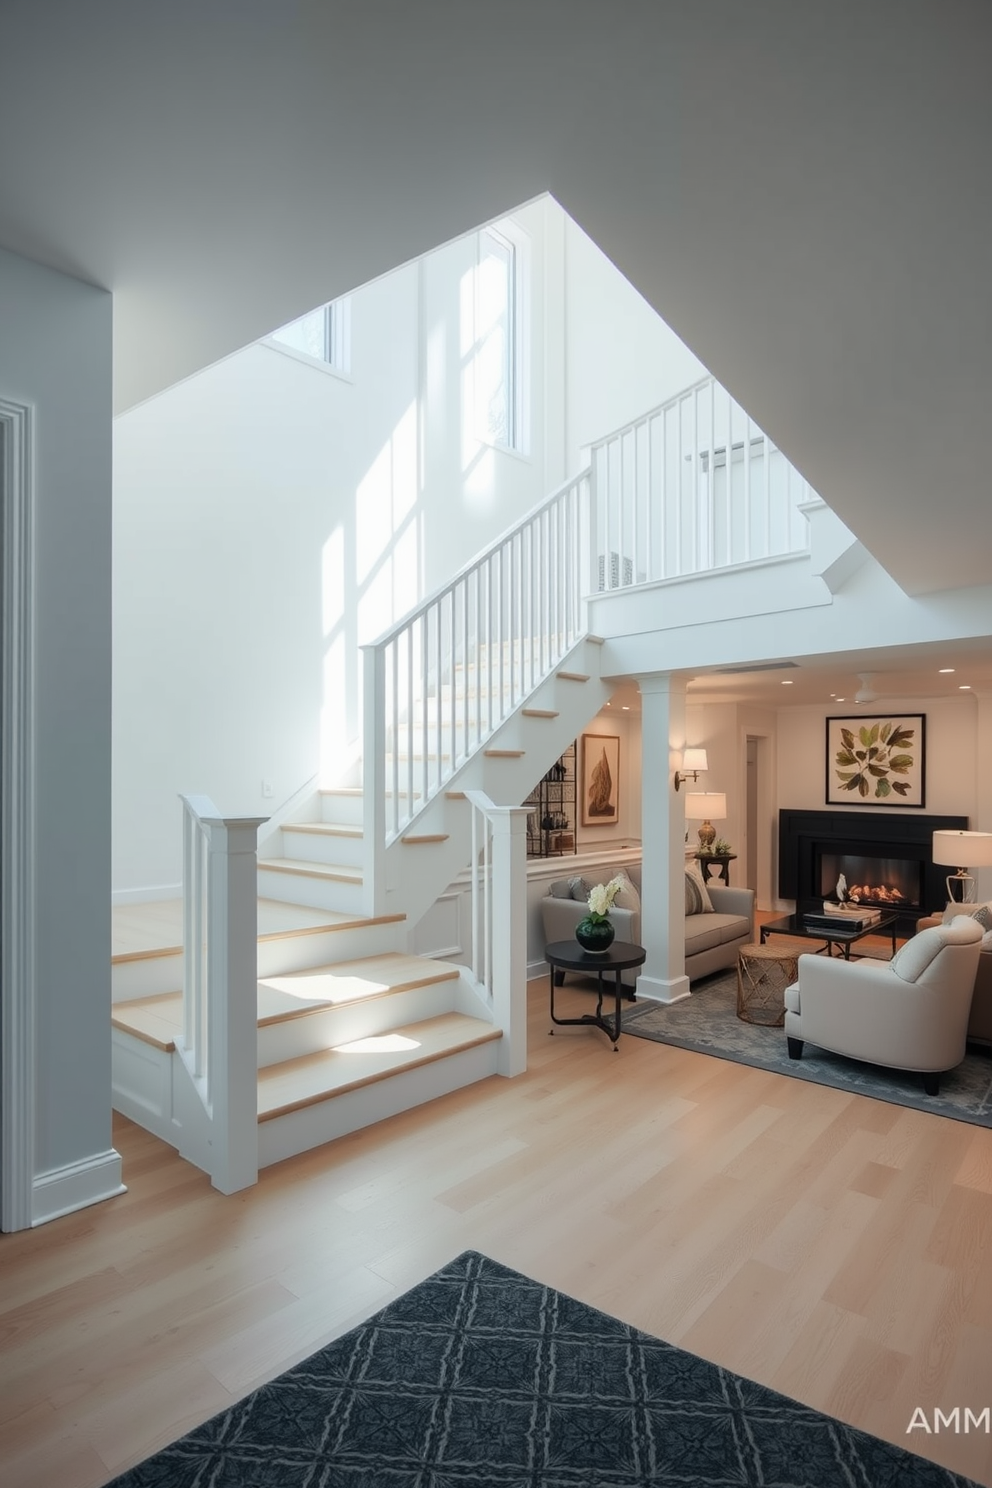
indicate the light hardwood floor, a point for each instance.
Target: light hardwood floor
{"x":833,"y":1247}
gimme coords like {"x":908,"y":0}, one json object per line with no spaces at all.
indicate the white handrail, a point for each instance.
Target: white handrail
{"x":218,"y":1046}
{"x":499,"y":921}
{"x":441,"y":681}
{"x":692,"y":485}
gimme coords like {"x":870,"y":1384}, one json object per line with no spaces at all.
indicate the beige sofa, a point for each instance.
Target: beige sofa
{"x":712,"y":940}
{"x":980,"y":1018}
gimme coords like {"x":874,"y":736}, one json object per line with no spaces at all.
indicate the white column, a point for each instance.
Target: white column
{"x":983,"y":786}
{"x":663,"y":839}
{"x":509,"y":935}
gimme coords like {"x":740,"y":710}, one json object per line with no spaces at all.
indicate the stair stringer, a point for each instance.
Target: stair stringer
{"x":414,"y":876}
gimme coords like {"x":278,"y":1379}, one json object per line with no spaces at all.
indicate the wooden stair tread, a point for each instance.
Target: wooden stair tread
{"x":573,"y":676}
{"x":158,"y":1019}
{"x":539,"y":713}
{"x":323,"y":829}
{"x":154,"y":1020}
{"x":312,"y":1078}
{"x":504,"y":753}
{"x":139,"y":936}
{"x":419,"y":839}
{"x":336,"y":872}
{"x":344,"y":982}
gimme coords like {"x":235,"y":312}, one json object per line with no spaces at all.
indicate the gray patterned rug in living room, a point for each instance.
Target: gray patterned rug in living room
{"x":708,"y":1022}
{"x":482,"y":1378}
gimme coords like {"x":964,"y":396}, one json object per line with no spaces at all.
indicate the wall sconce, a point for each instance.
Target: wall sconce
{"x":702,"y":806}
{"x":693,"y":764}
{"x":950,"y":848}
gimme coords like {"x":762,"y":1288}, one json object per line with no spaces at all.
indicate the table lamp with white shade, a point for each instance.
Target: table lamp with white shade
{"x":704,"y":806}
{"x":959,"y":848}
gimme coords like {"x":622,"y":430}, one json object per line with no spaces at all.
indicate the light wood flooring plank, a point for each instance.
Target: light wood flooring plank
{"x":833,"y":1247}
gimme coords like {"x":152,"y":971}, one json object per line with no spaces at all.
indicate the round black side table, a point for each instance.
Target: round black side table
{"x":568,"y":955}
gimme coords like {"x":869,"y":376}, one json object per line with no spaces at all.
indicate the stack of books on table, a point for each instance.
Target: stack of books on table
{"x":836,"y":916}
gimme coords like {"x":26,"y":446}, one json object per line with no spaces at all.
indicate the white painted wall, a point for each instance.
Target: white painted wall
{"x":622,"y":359}
{"x":55,"y":354}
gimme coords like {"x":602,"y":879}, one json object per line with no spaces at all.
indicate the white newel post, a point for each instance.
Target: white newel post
{"x":374,"y":777}
{"x":509,"y":934}
{"x":220,"y":984}
{"x":232,"y":1020}
{"x":663,"y":839}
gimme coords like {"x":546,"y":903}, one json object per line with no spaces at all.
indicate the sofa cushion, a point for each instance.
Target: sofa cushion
{"x":628,"y":897}
{"x":578,"y":888}
{"x":980,"y":912}
{"x":560,"y":889}
{"x":705,"y":931}
{"x":697,"y":899}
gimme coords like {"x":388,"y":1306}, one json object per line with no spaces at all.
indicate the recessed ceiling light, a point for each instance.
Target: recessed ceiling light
{"x":946,"y":669}
{"x":840,"y":700}
{"x":786,"y":681}
{"x":964,"y":687}
{"x":625,"y":708}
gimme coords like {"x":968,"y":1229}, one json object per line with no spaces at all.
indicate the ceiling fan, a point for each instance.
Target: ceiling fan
{"x":866,"y":692}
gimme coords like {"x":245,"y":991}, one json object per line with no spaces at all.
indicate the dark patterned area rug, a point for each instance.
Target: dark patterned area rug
{"x":707,"y":1022}
{"x":481,"y":1377}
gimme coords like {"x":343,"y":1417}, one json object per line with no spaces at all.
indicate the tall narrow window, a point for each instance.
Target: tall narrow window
{"x":323,"y":335}
{"x":496,"y":361}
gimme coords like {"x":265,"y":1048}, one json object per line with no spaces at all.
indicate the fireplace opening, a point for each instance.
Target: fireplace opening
{"x":883,"y":882}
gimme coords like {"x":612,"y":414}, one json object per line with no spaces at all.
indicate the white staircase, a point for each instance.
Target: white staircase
{"x":468,"y":701}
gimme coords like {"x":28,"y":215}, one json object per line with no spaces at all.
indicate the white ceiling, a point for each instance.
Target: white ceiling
{"x":801,"y":191}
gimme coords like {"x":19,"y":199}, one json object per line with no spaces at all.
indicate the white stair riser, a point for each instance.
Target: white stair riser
{"x":146,"y":978}
{"x":344,"y":811}
{"x":142,"y":1084}
{"x":300,"y":952}
{"x":342,"y":1025}
{"x":299,"y":1131}
{"x":318,"y":847}
{"x":313,"y":893}
{"x":156,"y":974}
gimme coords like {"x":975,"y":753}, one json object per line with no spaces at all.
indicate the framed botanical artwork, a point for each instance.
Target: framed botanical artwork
{"x":877,"y":760}
{"x":600,"y":780}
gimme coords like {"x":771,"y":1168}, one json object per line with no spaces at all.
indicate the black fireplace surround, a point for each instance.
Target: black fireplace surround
{"x":873,"y":845}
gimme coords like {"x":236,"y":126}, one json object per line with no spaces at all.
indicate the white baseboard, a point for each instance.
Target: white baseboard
{"x":76,"y":1186}
{"x":150,"y":895}
{"x":662,"y":989}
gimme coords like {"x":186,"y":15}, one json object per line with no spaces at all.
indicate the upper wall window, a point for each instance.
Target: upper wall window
{"x":322,"y":336}
{"x":500,"y":335}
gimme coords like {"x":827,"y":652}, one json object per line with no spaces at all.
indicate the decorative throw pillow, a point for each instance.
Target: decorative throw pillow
{"x":628,"y":897}
{"x":578,"y":888}
{"x":705,"y":900}
{"x":561,"y":889}
{"x":983,"y":914}
{"x":697,"y":900}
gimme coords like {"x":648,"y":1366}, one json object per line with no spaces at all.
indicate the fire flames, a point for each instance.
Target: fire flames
{"x":870,"y":894}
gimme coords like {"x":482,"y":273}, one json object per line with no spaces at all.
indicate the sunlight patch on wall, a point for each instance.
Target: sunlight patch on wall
{"x":332,"y":580}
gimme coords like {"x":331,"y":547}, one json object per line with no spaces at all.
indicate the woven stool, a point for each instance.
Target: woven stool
{"x":763,"y":973}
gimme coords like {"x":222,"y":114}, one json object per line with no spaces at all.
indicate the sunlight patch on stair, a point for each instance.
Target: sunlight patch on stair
{"x":327,"y":988}
{"x":381,"y":1043}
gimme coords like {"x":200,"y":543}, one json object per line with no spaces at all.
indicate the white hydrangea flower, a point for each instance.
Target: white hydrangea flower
{"x":602,"y":896}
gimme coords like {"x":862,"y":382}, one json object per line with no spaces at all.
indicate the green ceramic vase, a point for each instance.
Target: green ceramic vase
{"x":595,"y":936}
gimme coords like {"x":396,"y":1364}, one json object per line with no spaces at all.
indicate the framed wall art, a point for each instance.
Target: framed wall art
{"x":600,"y":780}
{"x":877,"y":760}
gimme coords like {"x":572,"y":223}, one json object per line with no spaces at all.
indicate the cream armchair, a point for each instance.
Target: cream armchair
{"x":910,"y":1013}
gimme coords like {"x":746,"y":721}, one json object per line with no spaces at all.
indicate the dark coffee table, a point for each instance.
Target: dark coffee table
{"x":844,"y":936}
{"x":568,"y":955}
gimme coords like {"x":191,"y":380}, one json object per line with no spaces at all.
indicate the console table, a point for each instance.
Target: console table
{"x":723,"y":860}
